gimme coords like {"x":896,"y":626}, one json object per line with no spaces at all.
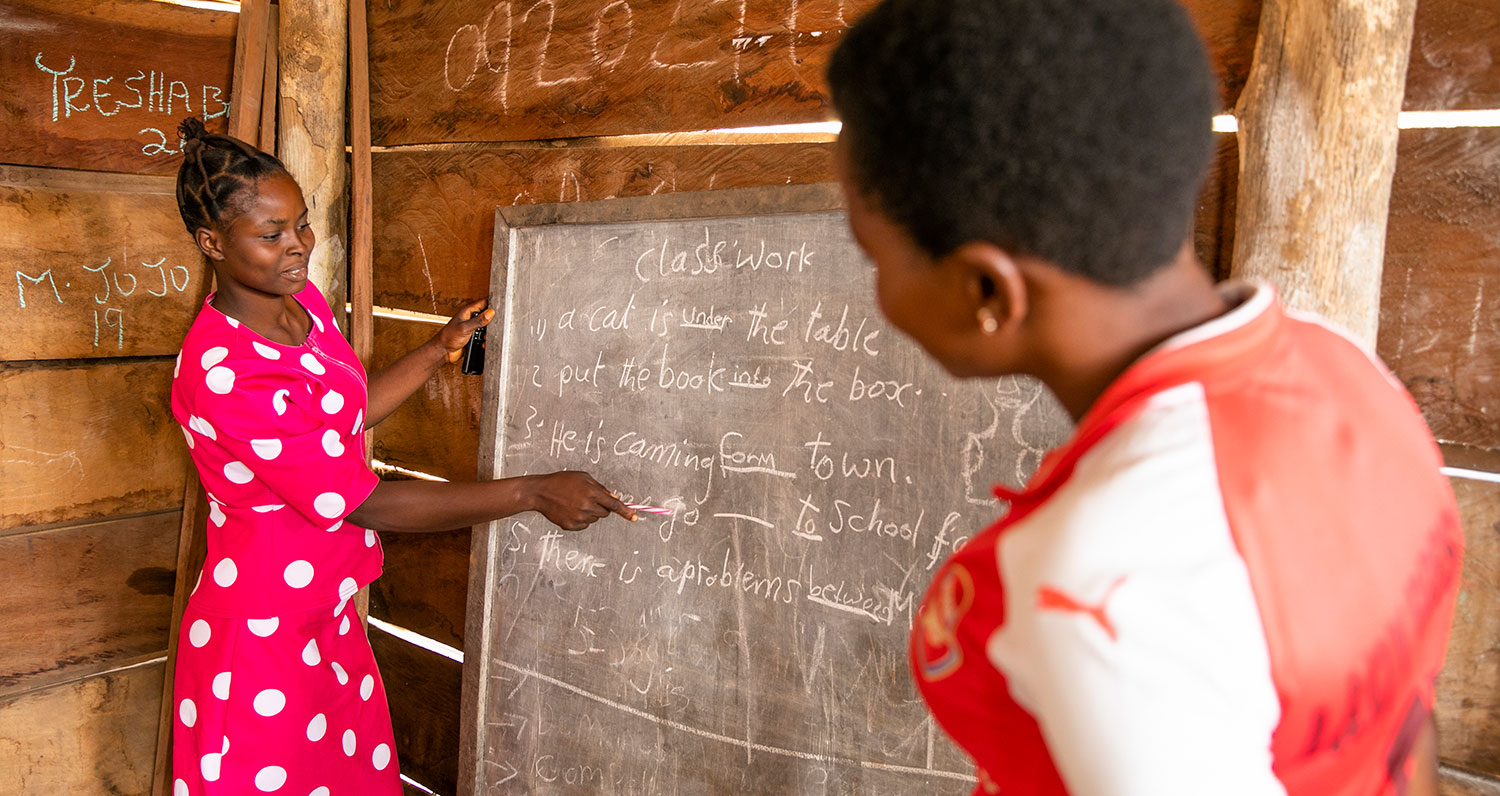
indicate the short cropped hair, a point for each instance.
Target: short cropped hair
{"x":1076,"y":131}
{"x":218,"y":176}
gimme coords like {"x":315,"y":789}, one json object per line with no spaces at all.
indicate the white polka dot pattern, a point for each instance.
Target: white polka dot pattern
{"x":270,"y":779}
{"x":221,"y":684}
{"x":344,"y":626}
{"x":312,"y":364}
{"x":265,"y":350}
{"x":267,"y":449}
{"x":188,"y":712}
{"x":332,"y":402}
{"x":359,"y":423}
{"x":269,"y":702}
{"x":310,"y":655}
{"x":366,"y":687}
{"x":179,"y":788}
{"x":216,"y":514}
{"x":263,"y":627}
{"x":321,"y":790}
{"x":278,"y":401}
{"x":338,"y":671}
{"x":202,"y":426}
{"x":199,"y":633}
{"x":329,"y":504}
{"x":332,"y":445}
{"x":317,"y":728}
{"x":348,"y":587}
{"x":298,"y":574}
{"x":220,"y":380}
{"x":187,"y":435}
{"x":369,"y":538}
{"x":213,"y":356}
{"x":209,"y":765}
{"x":225,"y":573}
{"x":238,"y":473}
{"x":349,"y":742}
{"x":381,"y":758}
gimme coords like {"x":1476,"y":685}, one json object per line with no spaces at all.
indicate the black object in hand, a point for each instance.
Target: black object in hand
{"x":473,"y":361}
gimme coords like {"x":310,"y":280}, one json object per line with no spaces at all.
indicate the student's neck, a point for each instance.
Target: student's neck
{"x":1102,"y":331}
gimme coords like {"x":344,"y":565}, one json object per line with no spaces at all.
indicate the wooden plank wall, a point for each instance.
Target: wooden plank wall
{"x":482,"y":103}
{"x":100,"y":282}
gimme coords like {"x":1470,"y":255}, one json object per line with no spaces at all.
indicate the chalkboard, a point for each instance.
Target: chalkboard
{"x":719,"y":353}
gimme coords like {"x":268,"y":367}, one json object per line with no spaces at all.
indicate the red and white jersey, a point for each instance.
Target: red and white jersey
{"x":1237,"y":577}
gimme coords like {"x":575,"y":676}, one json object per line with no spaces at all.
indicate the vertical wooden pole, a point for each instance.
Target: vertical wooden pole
{"x":1317,"y":132}
{"x":249,"y":69}
{"x":313,"y":37}
{"x":361,"y":278}
{"x":268,"y":90}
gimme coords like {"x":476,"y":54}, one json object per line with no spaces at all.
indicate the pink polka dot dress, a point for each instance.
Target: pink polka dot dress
{"x":276,"y":690}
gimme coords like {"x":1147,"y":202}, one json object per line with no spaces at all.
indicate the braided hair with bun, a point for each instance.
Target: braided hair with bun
{"x":216,"y":173}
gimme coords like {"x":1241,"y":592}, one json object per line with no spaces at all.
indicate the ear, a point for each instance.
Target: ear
{"x":993,"y":287}
{"x":210,"y":242}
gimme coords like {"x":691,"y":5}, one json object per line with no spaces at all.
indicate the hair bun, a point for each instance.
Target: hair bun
{"x":192,"y":132}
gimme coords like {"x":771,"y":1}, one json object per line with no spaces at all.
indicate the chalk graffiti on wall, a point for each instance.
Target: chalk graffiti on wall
{"x":146,"y":94}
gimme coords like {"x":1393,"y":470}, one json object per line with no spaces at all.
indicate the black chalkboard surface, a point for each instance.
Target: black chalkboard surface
{"x":719,"y":354}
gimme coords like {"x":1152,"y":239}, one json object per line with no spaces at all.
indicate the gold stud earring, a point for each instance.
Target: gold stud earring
{"x":987,"y":322}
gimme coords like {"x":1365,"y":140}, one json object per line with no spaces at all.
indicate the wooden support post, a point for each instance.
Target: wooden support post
{"x":268,"y":90}
{"x":310,"y":129}
{"x":361,"y":280}
{"x":1317,"y":132}
{"x":249,"y":69}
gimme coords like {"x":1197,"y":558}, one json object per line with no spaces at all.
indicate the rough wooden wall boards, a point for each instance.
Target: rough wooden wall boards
{"x":533,"y":69}
{"x":84,"y":441}
{"x":102,"y":85}
{"x":1468,"y":707}
{"x":82,"y":738}
{"x":1440,"y":307}
{"x":424,"y":584}
{"x":434,"y":211}
{"x":423,"y":689}
{"x":436,"y":430}
{"x":94,"y":265}
{"x":81,"y":599}
{"x":1455,"y":56}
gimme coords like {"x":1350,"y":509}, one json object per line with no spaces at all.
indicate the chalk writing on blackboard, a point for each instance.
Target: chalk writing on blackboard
{"x":735,"y":370}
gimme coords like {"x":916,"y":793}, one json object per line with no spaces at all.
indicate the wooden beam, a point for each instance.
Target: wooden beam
{"x":249,"y":69}
{"x":1317,"y":152}
{"x":310,"y":127}
{"x":190,"y":550}
{"x":361,"y":288}
{"x":268,"y":83}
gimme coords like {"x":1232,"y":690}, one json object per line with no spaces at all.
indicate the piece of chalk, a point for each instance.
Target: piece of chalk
{"x":648,"y":509}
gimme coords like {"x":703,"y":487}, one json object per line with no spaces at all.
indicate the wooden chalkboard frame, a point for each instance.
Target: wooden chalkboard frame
{"x":474,"y":735}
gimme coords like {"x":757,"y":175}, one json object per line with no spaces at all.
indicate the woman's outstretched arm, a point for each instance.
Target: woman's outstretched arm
{"x":570,"y":500}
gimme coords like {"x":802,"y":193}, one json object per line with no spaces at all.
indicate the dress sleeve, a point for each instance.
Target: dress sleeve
{"x":283,"y":446}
